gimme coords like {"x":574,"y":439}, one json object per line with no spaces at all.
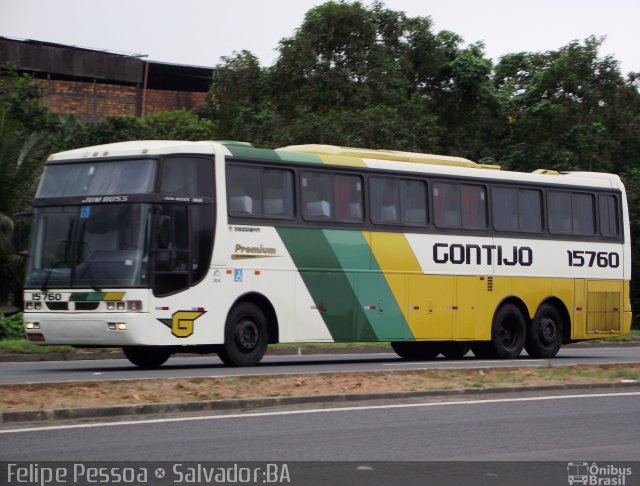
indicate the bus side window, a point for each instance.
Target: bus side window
{"x":474,"y":206}
{"x":243,"y":189}
{"x":516,"y":209}
{"x":348,"y":197}
{"x":385,"y":207}
{"x":187,"y":176}
{"x":559,"y":212}
{"x":583,"y":213}
{"x":571,"y":213}
{"x":413,"y":198}
{"x":530,"y":210}
{"x":505,"y":208}
{"x":609,"y":219}
{"x":446,"y":202}
{"x":277,"y":193}
{"x":317,"y":195}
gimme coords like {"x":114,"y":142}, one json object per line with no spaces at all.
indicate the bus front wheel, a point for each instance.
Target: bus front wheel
{"x":147,"y":357}
{"x":544,"y":337}
{"x":245,"y":336}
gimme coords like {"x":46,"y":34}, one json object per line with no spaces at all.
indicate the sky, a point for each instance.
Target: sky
{"x":200,"y":32}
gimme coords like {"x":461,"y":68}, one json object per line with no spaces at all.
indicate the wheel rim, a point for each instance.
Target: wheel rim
{"x":509,"y":335}
{"x":247,"y":335}
{"x":547,"y":331}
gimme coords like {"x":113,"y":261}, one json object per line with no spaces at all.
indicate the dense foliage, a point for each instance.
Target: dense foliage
{"x":11,"y":327}
{"x":373,"y":77}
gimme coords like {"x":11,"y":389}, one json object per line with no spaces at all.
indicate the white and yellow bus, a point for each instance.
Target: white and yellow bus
{"x":166,"y":246}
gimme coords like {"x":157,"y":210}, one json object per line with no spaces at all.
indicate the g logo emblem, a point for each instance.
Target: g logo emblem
{"x":181,"y":323}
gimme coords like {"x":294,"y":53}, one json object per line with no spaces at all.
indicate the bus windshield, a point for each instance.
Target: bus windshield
{"x":98,"y":178}
{"x":90,"y":247}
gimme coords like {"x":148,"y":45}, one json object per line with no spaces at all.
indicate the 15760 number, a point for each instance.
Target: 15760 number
{"x":47,"y":297}
{"x":602,"y":259}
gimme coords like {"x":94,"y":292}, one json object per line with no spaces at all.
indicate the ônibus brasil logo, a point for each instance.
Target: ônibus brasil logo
{"x":593,"y":474}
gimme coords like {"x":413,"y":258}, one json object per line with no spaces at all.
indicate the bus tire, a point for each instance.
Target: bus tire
{"x":245,"y":336}
{"x":508,"y":332}
{"x":147,"y":357}
{"x":416,"y":351}
{"x":544,"y":336}
{"x":454,"y":349}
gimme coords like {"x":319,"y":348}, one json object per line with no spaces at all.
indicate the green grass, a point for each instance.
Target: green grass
{"x":22,"y":346}
{"x":634,"y":335}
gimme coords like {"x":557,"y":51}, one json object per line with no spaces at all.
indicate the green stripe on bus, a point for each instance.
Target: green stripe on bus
{"x":252,"y":153}
{"x":369,"y":285}
{"x":328,"y":284}
{"x":86,"y":296}
{"x":299,"y":157}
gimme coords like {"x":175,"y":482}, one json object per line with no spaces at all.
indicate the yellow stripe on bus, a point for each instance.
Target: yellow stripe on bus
{"x":398,"y":264}
{"x":113,"y":296}
{"x":341,"y":160}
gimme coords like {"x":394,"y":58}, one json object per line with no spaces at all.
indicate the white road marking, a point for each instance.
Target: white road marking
{"x":318,"y":410}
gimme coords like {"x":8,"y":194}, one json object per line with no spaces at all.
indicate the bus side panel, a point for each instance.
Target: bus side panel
{"x":579,"y":311}
{"x":259,"y":261}
{"x":431,"y":298}
{"x":330,"y":287}
{"x":474,"y":307}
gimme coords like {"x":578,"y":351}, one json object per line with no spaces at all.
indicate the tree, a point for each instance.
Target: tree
{"x":564,"y":108}
{"x":167,"y":125}
{"x":21,"y":160}
{"x":239,"y":99}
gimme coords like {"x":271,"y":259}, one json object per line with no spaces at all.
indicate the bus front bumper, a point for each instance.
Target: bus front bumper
{"x":95,"y":329}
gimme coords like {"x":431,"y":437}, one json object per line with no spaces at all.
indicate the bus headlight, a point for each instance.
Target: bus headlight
{"x":28,"y":305}
{"x":117,"y":326}
{"x":31,"y":325}
{"x":37,"y":305}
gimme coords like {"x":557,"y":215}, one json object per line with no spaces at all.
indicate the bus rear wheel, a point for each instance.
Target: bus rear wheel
{"x":544,"y":337}
{"x":147,"y":357}
{"x":416,"y":351}
{"x":245,"y":336}
{"x":508,"y":334}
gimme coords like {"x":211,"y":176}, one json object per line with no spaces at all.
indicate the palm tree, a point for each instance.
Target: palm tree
{"x":22,"y":156}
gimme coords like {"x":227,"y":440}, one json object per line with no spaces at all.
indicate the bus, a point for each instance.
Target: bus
{"x":161,"y":247}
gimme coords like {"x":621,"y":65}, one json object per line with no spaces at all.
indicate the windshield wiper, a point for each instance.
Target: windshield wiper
{"x":92,"y":279}
{"x":56,"y":265}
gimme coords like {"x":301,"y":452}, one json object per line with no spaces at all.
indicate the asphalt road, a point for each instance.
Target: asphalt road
{"x":115,"y":369}
{"x":559,"y":428}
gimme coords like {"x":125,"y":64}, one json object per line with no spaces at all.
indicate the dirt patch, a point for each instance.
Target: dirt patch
{"x":104,"y":393}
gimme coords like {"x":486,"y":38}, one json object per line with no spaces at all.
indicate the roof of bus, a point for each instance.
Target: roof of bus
{"x":342,"y":156}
